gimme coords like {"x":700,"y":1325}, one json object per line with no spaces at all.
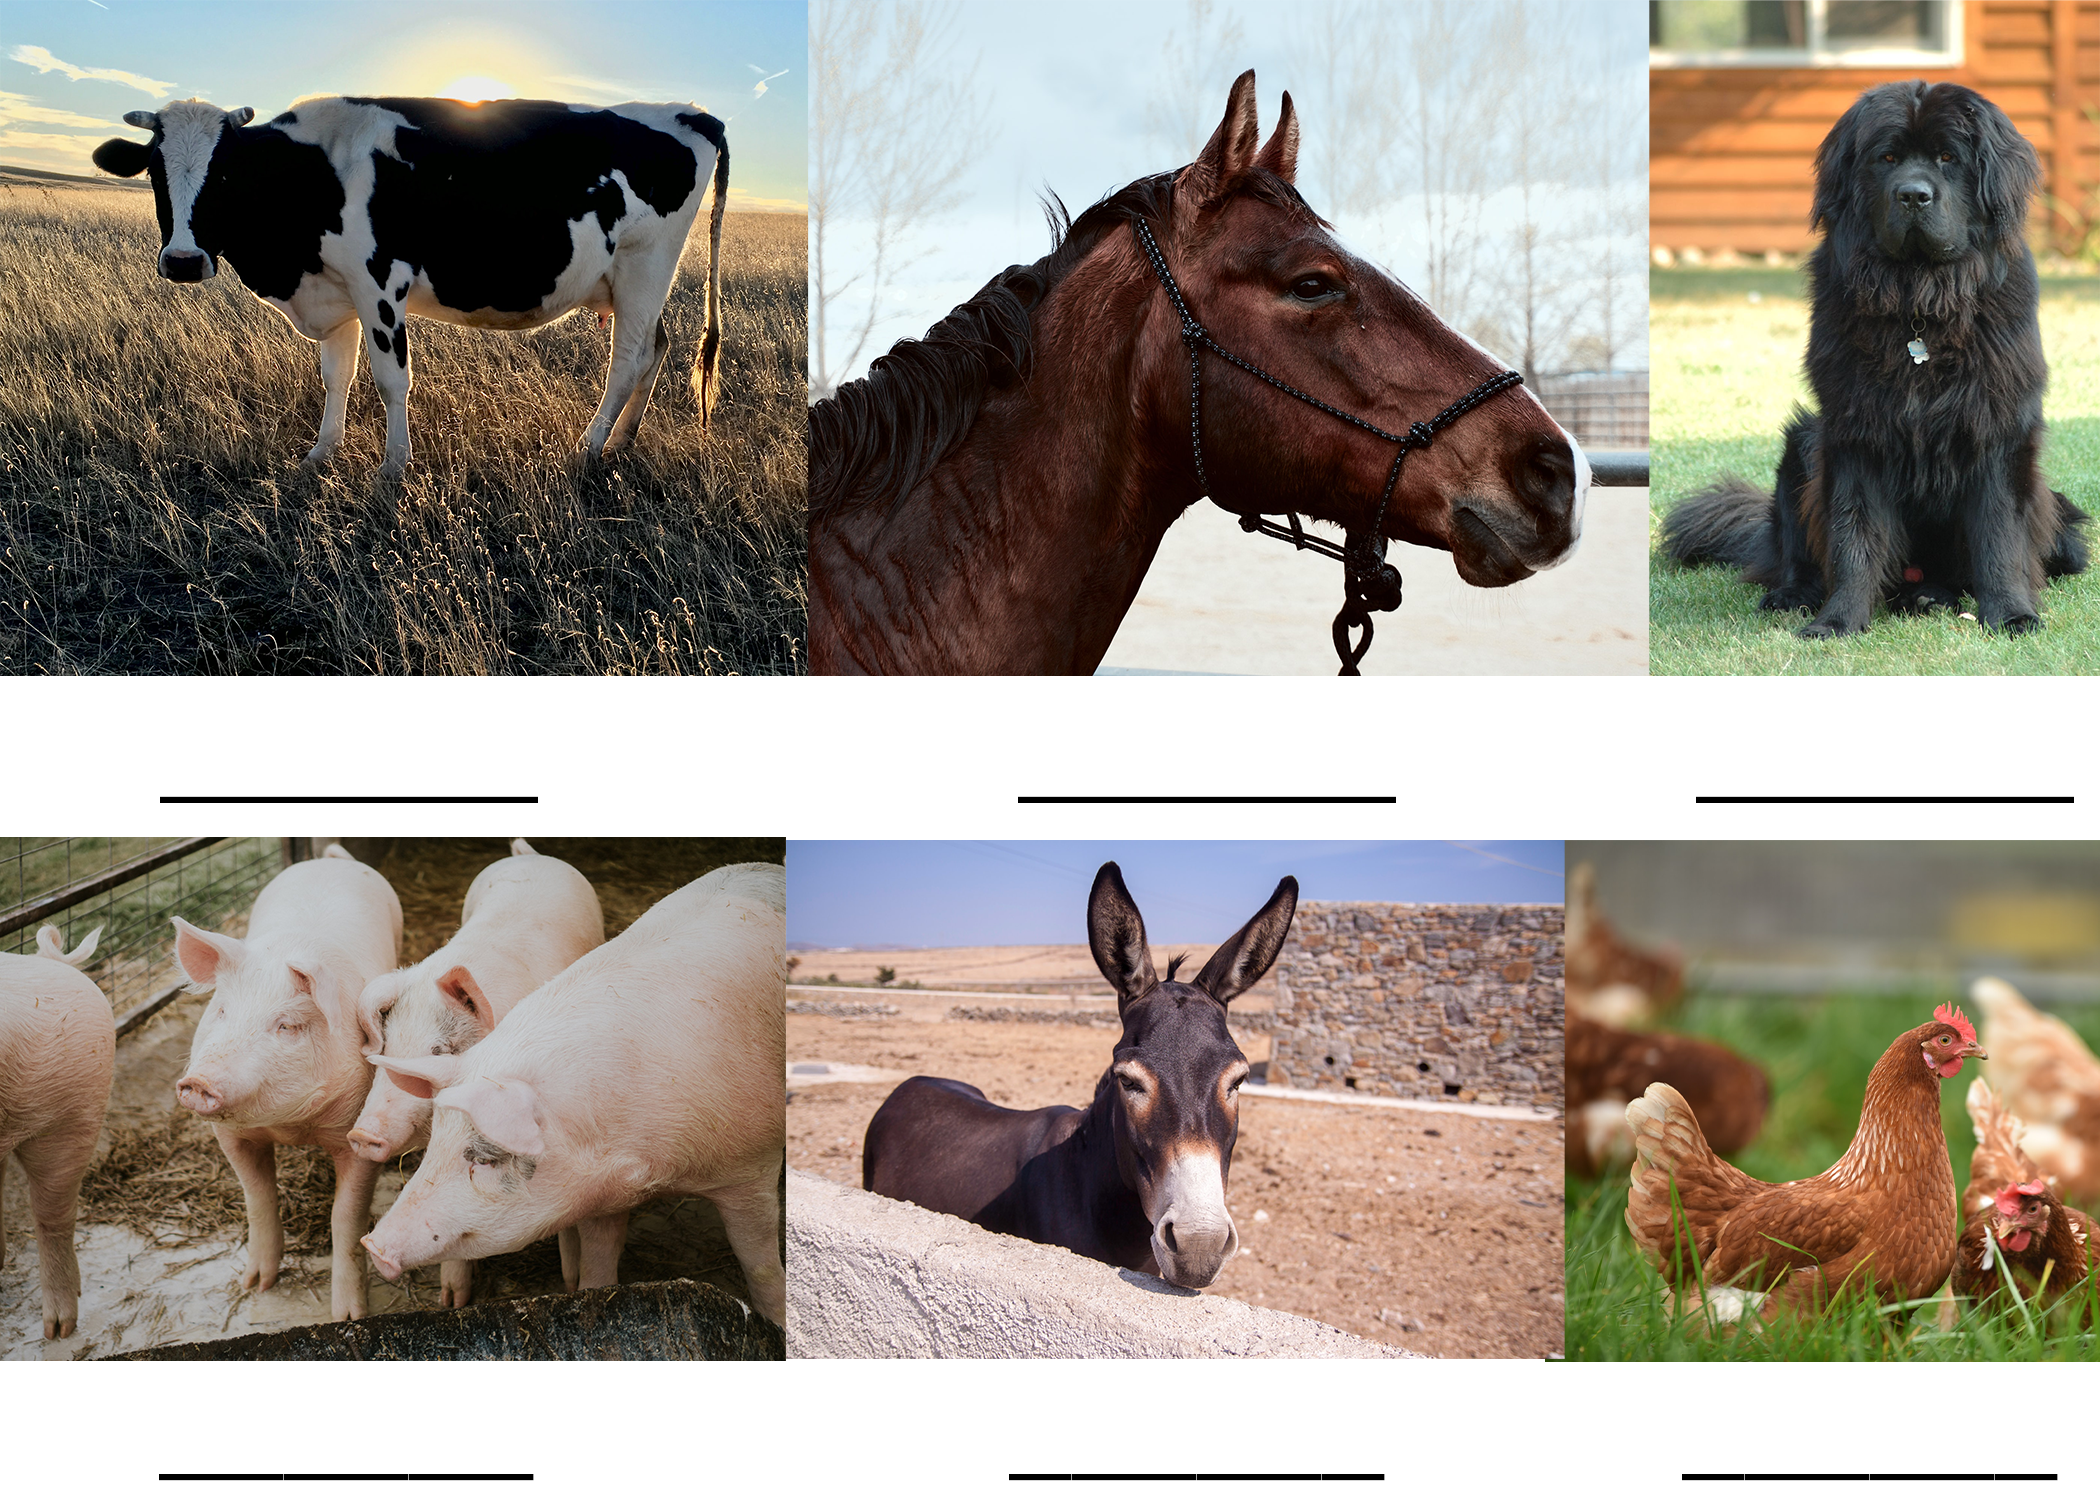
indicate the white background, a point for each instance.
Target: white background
{"x":1468,"y":758}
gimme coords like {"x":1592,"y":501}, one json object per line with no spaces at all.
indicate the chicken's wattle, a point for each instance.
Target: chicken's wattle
{"x":2018,"y":1241}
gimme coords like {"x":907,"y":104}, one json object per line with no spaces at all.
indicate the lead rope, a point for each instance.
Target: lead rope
{"x":1370,"y":584}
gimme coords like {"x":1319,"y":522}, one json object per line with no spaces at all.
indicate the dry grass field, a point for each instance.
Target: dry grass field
{"x":154,"y":517}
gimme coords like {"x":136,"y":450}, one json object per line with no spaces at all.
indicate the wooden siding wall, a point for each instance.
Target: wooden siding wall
{"x":1732,"y":150}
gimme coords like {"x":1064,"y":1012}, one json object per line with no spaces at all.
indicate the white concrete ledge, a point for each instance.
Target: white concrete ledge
{"x":872,"y":1278}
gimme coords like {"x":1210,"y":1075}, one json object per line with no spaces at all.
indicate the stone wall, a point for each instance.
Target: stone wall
{"x":1458,"y":1003}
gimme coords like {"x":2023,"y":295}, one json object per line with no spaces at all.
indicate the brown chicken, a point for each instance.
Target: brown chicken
{"x":1881,"y":1222}
{"x":1608,"y":1067}
{"x":2044,"y":1246}
{"x":1608,"y":979}
{"x":2048,"y":1078}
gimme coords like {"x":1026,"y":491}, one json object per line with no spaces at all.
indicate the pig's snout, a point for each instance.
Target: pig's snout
{"x":385,"y":1264}
{"x":200,"y":1095}
{"x":368,"y":1145}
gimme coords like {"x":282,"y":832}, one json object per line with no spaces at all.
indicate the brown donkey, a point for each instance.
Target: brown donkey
{"x":989,"y":498}
{"x":1137,"y":1179}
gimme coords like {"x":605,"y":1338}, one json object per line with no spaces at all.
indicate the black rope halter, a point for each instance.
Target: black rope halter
{"x":1370,"y":584}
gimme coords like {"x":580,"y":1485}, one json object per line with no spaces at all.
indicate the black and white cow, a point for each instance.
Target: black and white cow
{"x":348,"y":214}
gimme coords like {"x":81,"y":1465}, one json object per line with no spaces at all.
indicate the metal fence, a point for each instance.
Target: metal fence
{"x":1603,"y":408}
{"x":130,"y":888}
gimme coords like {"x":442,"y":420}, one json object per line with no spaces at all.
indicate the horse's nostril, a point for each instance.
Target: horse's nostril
{"x":1549,"y":478}
{"x":1166,"y":1234}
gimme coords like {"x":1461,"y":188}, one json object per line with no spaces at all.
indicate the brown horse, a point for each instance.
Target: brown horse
{"x":989,"y":498}
{"x":1137,"y":1179}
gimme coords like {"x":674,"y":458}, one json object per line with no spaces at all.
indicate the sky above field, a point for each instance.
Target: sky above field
{"x":942,"y":895}
{"x":69,"y":72}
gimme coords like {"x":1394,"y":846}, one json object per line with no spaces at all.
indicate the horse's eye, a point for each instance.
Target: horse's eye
{"x":1130,"y":1084}
{"x":1888,"y":156}
{"x":1311,"y":288}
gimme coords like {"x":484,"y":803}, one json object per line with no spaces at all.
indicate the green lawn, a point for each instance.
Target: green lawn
{"x":1818,"y":1054}
{"x":1727,"y":350}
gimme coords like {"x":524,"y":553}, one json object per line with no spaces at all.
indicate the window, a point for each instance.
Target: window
{"x":1803,"y":33}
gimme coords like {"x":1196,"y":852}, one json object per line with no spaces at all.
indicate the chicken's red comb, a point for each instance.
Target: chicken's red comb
{"x":2010,"y":1195}
{"x":1950,"y":1015}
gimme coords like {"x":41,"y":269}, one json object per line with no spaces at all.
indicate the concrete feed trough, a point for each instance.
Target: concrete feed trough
{"x":869,"y":1277}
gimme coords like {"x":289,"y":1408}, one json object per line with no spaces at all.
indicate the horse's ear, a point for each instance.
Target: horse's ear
{"x":1243,"y":958}
{"x":1232,"y":145}
{"x":1281,"y":154}
{"x":1116,"y":933}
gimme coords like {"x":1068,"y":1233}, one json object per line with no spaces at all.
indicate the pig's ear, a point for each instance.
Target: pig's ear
{"x":378,"y":998}
{"x":202,"y":955}
{"x":333,"y":991}
{"x":421,"y":1076}
{"x":503,"y":1109}
{"x":460,"y":990}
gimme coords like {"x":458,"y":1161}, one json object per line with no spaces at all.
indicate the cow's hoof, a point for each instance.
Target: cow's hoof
{"x":317,"y":458}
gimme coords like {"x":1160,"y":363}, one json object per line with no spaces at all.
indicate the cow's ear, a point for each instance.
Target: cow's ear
{"x":123,"y":158}
{"x":239,"y":117}
{"x":144,"y":119}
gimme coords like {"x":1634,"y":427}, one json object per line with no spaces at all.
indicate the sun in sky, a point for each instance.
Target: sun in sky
{"x":475,"y":87}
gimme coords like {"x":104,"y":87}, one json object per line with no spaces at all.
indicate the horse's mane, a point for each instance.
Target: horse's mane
{"x":877,"y":437}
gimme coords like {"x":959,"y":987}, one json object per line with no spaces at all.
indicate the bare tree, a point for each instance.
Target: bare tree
{"x":1580,"y":200}
{"x":1402,"y":105}
{"x":1544,"y":120}
{"x":1341,"y":61}
{"x":1198,"y":64}
{"x":894,"y":122}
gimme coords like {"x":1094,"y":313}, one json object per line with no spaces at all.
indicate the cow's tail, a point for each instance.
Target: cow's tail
{"x":706,"y":373}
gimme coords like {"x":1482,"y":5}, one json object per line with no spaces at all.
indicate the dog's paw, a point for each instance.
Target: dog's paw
{"x":1823,"y":630}
{"x":1924,"y":598}
{"x":1781,"y":601}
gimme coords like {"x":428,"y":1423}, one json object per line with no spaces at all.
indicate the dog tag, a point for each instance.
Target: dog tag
{"x":1918,"y":356}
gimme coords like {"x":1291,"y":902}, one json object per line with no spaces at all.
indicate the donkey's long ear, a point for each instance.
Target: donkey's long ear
{"x":1117,"y":935}
{"x":1245,"y":956}
{"x":1281,"y":154}
{"x":1232,"y":145}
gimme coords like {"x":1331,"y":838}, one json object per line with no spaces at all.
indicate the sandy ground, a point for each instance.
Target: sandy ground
{"x":1219,"y":600}
{"x":162,"y":1282}
{"x":1059,"y":969}
{"x":1437,"y":1232}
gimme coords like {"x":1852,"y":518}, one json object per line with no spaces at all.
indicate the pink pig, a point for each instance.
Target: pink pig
{"x":58,"y":1049}
{"x":278,"y":1058}
{"x":651,"y":1067}
{"x":526,"y":919}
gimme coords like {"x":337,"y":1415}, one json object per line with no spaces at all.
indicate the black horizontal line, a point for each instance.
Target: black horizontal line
{"x":386,"y":801}
{"x":1186,"y":1478}
{"x":1889,"y":800}
{"x":1232,"y":800}
{"x":1863,"y":1478}
{"x":219,"y":1478}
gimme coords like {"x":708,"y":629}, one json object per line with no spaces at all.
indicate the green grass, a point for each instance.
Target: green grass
{"x":1728,"y":371}
{"x":1818,"y":1054}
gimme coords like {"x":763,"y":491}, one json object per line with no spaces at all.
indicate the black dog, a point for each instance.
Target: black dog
{"x":1918,"y":481}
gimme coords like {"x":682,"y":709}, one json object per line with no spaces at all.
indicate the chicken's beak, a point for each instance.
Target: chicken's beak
{"x":1974,"y":1050}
